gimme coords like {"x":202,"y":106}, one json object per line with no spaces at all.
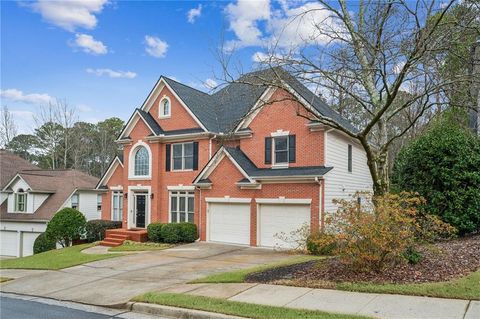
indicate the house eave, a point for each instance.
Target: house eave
{"x":179,"y":137}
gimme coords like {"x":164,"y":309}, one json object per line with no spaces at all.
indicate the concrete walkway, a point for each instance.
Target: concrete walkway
{"x":374,"y":305}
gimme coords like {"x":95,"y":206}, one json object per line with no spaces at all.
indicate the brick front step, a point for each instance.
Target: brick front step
{"x":139,"y":235}
{"x":108,"y":243}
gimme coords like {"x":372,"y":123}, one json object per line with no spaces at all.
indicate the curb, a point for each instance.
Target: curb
{"x":175,"y":312}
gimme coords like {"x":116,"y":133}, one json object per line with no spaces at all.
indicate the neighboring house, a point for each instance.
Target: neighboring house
{"x":33,"y":196}
{"x":242,"y":170}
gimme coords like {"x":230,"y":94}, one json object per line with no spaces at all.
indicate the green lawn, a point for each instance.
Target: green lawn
{"x":136,"y":246}
{"x":55,"y":259}
{"x":467,"y":287}
{"x":4,"y":279}
{"x":235,"y":308}
{"x":240,"y":275}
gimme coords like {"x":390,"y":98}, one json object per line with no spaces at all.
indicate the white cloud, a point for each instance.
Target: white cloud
{"x":155,"y":47}
{"x":70,"y":14}
{"x":194,"y":13}
{"x":397,"y":68}
{"x":259,"y":23}
{"x":244,"y":17}
{"x":112,"y":73}
{"x":210,"y":83}
{"x":89,"y":45}
{"x":32,"y":98}
{"x":84,"y":108}
{"x":262,"y":57}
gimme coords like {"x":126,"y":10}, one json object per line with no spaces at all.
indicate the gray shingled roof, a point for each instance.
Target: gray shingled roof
{"x":254,"y":172}
{"x":222,"y":111}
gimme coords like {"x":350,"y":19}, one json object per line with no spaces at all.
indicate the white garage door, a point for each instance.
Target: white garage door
{"x":28,"y":240}
{"x":229,"y":223}
{"x":9,"y":243}
{"x":277,"y":221}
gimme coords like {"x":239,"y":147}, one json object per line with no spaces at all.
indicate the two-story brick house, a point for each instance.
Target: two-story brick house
{"x":239,"y":163}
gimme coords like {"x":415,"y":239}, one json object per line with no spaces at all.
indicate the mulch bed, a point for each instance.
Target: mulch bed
{"x":441,"y":262}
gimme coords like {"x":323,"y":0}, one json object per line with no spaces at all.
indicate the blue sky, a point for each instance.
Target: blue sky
{"x":104,"y":56}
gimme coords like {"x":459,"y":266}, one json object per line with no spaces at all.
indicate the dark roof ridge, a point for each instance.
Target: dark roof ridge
{"x":183,"y":84}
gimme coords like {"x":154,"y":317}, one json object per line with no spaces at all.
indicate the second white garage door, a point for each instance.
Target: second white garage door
{"x":277,"y":221}
{"x":229,"y":223}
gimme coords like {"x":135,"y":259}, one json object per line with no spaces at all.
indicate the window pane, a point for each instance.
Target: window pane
{"x":177,"y":163}
{"x":141,"y":162}
{"x":190,"y":204}
{"x":188,"y":149}
{"x":281,"y":143}
{"x":190,"y":217}
{"x":281,"y":157}
{"x":173,"y":206}
{"x":188,"y":162}
{"x":174,"y":217}
{"x":182,"y":204}
{"x":166,"y":107}
{"x":177,"y":150}
{"x":182,"y":217}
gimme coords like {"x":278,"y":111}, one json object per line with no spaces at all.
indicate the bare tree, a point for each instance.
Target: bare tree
{"x":379,"y":60}
{"x":65,"y":116}
{"x":8,"y":128}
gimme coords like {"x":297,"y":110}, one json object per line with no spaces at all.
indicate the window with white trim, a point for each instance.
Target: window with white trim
{"x":165,"y":107}
{"x":99,"y":202}
{"x":21,"y":201}
{"x":141,"y":162}
{"x":75,"y":201}
{"x":280,"y":150}
{"x":181,"y":206}
{"x":182,"y":156}
{"x":117,"y":205}
{"x":350,"y":158}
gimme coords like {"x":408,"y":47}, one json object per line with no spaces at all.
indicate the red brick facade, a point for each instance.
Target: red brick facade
{"x":273,"y":117}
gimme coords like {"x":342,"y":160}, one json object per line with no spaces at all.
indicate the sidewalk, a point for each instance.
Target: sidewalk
{"x":374,"y":305}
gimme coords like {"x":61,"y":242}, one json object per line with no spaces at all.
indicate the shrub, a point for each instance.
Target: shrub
{"x":154,"y":231}
{"x":65,"y":226}
{"x":179,"y":233}
{"x":188,"y":232}
{"x":443,"y":166}
{"x":412,"y":255}
{"x":43,"y":244}
{"x":377,"y":238}
{"x":95,"y":229}
{"x":321,"y":243}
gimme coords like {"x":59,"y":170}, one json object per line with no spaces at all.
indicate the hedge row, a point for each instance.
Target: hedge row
{"x":95,"y":229}
{"x":172,"y":233}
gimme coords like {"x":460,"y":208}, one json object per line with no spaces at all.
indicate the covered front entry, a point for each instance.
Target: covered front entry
{"x":139,"y":206}
{"x":229,"y":222}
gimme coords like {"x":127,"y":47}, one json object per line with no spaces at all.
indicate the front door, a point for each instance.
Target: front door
{"x":140,"y":210}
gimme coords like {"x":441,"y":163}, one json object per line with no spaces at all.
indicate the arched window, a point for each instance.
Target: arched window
{"x":21,"y":201}
{"x":141,"y":162}
{"x":165,"y":107}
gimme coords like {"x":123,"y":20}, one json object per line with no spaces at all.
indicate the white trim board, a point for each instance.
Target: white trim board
{"x":227,"y":199}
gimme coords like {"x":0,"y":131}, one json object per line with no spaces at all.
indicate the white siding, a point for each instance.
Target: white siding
{"x":339,"y":182}
{"x":38,"y":200}
{"x":87,"y":204}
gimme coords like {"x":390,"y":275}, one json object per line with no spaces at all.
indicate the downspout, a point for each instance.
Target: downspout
{"x":320,"y":202}
{"x":210,"y":146}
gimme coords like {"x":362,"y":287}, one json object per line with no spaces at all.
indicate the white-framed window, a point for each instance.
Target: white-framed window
{"x":280,"y":150}
{"x":99,"y":202}
{"x":21,"y":201}
{"x":182,"y":156}
{"x":182,"y":205}
{"x":165,"y":107}
{"x":75,"y":201}
{"x":350,"y":158}
{"x":117,"y":205}
{"x":141,"y":162}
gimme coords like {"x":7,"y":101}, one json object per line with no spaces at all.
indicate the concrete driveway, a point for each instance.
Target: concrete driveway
{"x":113,"y":282}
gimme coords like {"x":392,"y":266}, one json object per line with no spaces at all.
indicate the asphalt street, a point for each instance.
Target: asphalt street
{"x":12,"y":308}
